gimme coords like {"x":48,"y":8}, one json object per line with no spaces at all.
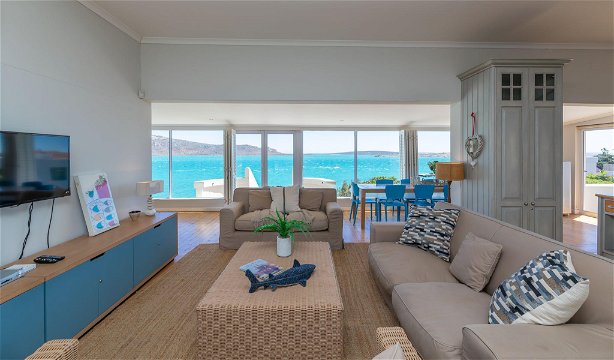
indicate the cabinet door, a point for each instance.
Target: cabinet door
{"x":71,"y":301}
{"x":512,"y":149}
{"x":116,"y":275}
{"x":22,"y":325}
{"x":167,"y":236}
{"x":146,"y":256}
{"x":545,"y":158}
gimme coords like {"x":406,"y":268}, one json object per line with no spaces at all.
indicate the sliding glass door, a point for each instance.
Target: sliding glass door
{"x":265,"y":158}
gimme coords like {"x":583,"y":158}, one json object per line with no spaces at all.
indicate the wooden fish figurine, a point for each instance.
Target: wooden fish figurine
{"x":297,"y":274}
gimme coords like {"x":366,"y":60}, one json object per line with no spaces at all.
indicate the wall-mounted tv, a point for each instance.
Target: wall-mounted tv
{"x":33,"y":167}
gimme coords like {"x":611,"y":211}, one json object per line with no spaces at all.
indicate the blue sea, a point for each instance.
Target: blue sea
{"x":338,"y":167}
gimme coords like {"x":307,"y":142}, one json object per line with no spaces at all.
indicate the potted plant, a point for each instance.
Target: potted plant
{"x":285,"y":230}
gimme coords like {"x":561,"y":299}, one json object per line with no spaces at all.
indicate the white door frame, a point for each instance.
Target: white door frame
{"x":581,"y":160}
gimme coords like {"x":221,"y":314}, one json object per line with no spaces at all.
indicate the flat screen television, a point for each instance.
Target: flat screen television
{"x":33,"y":167}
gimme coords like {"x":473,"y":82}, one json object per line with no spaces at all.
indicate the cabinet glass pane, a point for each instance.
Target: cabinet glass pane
{"x":539,"y":94}
{"x":539,"y":79}
{"x":517,"y":94}
{"x":505,"y":94}
{"x":505,"y":79}
{"x":550,"y":94}
{"x":517,"y":80}
{"x":549,"y":79}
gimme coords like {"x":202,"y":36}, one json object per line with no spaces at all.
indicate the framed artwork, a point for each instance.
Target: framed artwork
{"x":96,"y":202}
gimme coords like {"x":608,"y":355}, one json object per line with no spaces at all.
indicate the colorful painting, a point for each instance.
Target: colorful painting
{"x":96,"y":202}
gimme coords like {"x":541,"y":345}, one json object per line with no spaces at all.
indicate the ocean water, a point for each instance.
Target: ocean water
{"x":187,"y":169}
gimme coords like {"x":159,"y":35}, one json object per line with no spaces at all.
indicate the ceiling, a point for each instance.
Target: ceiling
{"x":495,"y":21}
{"x":287,"y":115}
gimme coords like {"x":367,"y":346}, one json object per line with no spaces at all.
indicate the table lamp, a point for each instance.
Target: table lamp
{"x":148,"y":188}
{"x":450,"y":171}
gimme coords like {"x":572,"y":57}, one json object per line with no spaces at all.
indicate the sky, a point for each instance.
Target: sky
{"x":317,"y":142}
{"x":595,"y":140}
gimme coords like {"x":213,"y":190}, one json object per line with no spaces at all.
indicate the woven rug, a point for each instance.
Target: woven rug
{"x":159,"y":320}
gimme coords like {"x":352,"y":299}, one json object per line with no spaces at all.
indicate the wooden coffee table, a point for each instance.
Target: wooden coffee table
{"x":290,"y":323}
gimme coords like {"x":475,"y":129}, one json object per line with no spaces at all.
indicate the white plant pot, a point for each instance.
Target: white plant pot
{"x":284,"y":247}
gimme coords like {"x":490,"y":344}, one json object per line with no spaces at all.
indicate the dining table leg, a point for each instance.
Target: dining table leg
{"x":363,"y":200}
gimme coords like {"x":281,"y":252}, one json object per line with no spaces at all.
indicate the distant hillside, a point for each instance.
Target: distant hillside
{"x":159,"y":146}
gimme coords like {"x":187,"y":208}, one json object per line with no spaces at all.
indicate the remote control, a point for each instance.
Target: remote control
{"x":48,"y":259}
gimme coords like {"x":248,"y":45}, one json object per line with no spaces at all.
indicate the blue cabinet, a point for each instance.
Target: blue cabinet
{"x":154,"y":248}
{"x":22,"y":327}
{"x":77,"y":297}
{"x":71,"y":301}
{"x":115,"y":275}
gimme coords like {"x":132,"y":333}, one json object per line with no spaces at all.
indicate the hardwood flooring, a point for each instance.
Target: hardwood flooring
{"x":197,"y":228}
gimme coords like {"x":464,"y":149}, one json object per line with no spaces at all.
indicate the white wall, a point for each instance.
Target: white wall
{"x":573,"y":145}
{"x":67,"y":71}
{"x":305,"y":73}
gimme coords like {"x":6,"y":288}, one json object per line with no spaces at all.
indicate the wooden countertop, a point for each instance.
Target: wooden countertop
{"x":76,"y":252}
{"x":607,"y":197}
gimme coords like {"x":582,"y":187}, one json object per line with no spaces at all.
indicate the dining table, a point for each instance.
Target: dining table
{"x":378,"y":189}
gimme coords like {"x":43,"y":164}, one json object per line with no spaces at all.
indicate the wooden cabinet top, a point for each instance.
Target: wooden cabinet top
{"x":607,"y":197}
{"x":77,"y":251}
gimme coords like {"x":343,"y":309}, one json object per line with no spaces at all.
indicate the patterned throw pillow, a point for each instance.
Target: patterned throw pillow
{"x":430,"y":229}
{"x":546,"y":291}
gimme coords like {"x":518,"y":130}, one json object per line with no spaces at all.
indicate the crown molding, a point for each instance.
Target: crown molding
{"x":92,"y":6}
{"x":513,"y":63}
{"x":361,"y":43}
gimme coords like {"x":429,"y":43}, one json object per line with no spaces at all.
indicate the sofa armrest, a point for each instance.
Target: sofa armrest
{"x":228,"y":215}
{"x":385,"y":232}
{"x":524,"y":341}
{"x":334,"y":212}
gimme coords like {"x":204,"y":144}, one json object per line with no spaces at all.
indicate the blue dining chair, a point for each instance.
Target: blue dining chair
{"x":394,"y":198}
{"x":405,"y":181}
{"x":384,"y":182}
{"x":442,"y":197}
{"x":409,"y":197}
{"x":424,"y":195}
{"x":356,"y":202}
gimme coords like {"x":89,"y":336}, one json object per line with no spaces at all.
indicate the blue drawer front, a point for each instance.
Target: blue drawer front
{"x":71,"y":301}
{"x":22,"y":324}
{"x":116,"y":267}
{"x":153,"y":248}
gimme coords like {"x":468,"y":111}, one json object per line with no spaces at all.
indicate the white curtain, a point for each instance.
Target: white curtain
{"x":230,"y":164}
{"x":409,"y":153}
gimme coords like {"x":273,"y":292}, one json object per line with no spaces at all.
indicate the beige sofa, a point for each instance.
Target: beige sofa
{"x":445,"y":319}
{"x":237,"y":224}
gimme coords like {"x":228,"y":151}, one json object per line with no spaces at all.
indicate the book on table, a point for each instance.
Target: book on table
{"x":262,"y":269}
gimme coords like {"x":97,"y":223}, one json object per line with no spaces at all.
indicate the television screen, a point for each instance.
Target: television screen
{"x":33,"y":167}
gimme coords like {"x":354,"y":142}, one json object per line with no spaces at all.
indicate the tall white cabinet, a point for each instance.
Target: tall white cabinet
{"x":518,"y":177}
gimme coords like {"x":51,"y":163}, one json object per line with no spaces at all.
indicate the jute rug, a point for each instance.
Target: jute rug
{"x":159,"y":320}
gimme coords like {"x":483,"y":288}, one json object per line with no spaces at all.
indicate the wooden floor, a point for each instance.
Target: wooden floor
{"x":197,"y":228}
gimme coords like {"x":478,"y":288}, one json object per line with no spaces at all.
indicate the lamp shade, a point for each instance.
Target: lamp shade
{"x":147,"y":188}
{"x":450,"y":171}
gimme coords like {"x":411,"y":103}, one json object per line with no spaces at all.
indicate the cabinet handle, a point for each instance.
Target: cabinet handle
{"x":97,"y":256}
{"x":526,"y":204}
{"x":533,"y":203}
{"x":100,"y":281}
{"x":157,"y":226}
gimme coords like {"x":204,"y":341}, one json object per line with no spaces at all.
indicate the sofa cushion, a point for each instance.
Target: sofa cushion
{"x":569,"y":341}
{"x":546,"y":291}
{"x":316,"y":220}
{"x":277,"y":196}
{"x":310,"y":199}
{"x":434,"y":314}
{"x":430,"y":229}
{"x":259,"y":200}
{"x":251,"y":220}
{"x":291,"y":198}
{"x":475,"y":261}
{"x":393,"y":264}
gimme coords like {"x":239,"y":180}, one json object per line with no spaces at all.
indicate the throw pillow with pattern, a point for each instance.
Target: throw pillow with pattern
{"x":546,"y":291}
{"x":430,"y":229}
